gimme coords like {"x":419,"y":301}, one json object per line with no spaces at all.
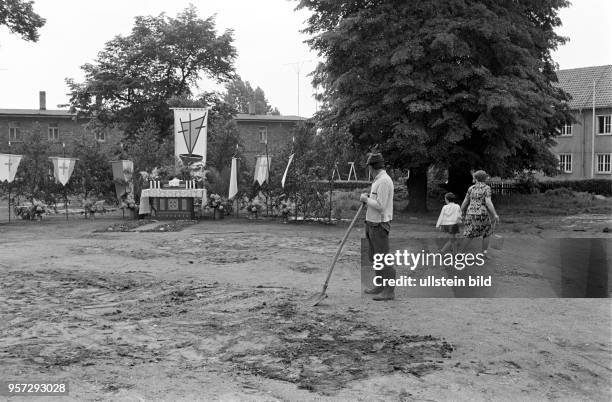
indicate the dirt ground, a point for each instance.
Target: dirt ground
{"x":214,"y":312}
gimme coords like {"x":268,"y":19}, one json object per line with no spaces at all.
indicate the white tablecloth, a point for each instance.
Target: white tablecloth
{"x":145,"y":206}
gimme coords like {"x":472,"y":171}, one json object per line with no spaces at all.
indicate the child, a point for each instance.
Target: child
{"x":449,"y":220}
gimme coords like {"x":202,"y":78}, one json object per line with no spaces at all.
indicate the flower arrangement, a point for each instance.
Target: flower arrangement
{"x":127,"y":201}
{"x":254,"y":205}
{"x":34,"y":210}
{"x":286,"y":208}
{"x":91,"y":207}
{"x":215,"y":201}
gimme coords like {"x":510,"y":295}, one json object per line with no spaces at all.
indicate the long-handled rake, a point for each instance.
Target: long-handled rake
{"x":316,"y":299}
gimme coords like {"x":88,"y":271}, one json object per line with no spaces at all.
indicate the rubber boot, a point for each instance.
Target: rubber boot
{"x":376,"y":289}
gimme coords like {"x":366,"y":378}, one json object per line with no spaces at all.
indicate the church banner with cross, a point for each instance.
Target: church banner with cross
{"x":190,"y":134}
{"x":8,"y":166}
{"x":62,"y":168}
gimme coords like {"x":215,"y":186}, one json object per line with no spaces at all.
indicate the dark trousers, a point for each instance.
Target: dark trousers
{"x":377,"y":235}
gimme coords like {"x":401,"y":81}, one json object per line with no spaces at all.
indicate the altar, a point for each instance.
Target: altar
{"x":171,"y":203}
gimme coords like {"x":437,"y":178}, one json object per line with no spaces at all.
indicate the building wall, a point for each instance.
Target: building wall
{"x":69,"y":131}
{"x":579,"y":146}
{"x":279,"y":135}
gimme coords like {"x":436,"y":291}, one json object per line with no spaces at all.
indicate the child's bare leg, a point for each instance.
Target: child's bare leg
{"x":453,"y":243}
{"x":446,"y":246}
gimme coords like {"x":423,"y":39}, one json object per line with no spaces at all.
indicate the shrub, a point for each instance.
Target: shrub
{"x":595,"y":186}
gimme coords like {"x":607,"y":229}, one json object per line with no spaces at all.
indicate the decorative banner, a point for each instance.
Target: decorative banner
{"x":233,"y":188}
{"x":286,"y":170}
{"x":62,"y":168}
{"x":262,"y":169}
{"x":8,"y":166}
{"x":190,"y":133}
{"x":123,"y":170}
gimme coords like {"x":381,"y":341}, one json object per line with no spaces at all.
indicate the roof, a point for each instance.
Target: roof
{"x":36,"y":112}
{"x":268,"y":117}
{"x":578,"y":82}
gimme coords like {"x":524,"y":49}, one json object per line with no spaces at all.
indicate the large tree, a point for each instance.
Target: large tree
{"x":240,"y":94}
{"x":21,"y":19}
{"x":135,"y":76}
{"x":457,"y":84}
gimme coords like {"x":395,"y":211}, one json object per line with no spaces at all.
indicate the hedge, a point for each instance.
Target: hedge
{"x":595,"y":186}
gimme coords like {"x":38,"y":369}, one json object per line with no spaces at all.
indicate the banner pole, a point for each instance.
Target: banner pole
{"x":9,"y":201}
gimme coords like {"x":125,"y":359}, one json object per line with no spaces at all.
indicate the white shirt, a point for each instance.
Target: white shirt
{"x":380,"y":203}
{"x":450,"y":214}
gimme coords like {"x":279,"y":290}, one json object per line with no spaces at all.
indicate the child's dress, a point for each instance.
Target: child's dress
{"x":450,"y":217}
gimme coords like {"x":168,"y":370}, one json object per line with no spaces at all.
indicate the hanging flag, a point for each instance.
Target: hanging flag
{"x":190,"y":128}
{"x":123,"y":170}
{"x":8,"y":166}
{"x":286,"y":170}
{"x":262,"y":169}
{"x":62,"y":168}
{"x":233,"y":188}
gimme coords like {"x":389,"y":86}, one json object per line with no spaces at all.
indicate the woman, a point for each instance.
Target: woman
{"x":478,"y":208}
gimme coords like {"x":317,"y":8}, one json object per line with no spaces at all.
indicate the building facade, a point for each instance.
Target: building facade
{"x":584,"y":147}
{"x":57,"y":127}
{"x":258,"y":130}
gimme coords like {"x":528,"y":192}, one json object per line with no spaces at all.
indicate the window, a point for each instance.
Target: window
{"x":565,"y":163}
{"x":263,"y":135}
{"x":53,"y":132}
{"x":566,"y":130}
{"x":604,"y":125}
{"x":15,"y":134}
{"x":603,"y":163}
{"x":100,"y":136}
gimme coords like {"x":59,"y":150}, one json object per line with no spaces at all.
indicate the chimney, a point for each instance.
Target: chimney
{"x":42,"y":100}
{"x":251,"y":107}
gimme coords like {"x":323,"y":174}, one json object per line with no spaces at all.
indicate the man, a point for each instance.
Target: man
{"x":379,"y":214}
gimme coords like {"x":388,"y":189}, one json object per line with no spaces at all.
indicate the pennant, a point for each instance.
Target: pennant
{"x":262,"y":169}
{"x":62,"y":168}
{"x":233,"y":188}
{"x":8,"y":166}
{"x":119,"y":173}
{"x":286,"y":170}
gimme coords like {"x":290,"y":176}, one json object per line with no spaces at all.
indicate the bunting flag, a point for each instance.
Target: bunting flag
{"x":190,"y":132}
{"x":286,"y":170}
{"x":233,"y":188}
{"x":8,"y":166}
{"x":123,"y":170}
{"x":262,"y":169}
{"x":62,"y":168}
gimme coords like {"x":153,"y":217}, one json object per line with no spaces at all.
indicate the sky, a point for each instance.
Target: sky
{"x":271,"y":49}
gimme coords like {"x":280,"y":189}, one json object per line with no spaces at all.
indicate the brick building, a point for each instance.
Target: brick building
{"x":584,"y":149}
{"x":56,"y":126}
{"x":255,"y":129}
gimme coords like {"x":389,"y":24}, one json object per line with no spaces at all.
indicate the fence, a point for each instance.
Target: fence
{"x":502,"y":188}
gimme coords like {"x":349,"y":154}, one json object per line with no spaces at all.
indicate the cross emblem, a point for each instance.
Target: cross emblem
{"x":63,"y":167}
{"x":9,"y":164}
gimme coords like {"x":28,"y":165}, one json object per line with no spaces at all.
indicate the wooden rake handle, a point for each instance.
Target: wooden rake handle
{"x":346,"y":235}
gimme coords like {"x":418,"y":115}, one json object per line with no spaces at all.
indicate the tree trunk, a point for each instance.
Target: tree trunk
{"x":417,"y":189}
{"x":459,"y":179}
